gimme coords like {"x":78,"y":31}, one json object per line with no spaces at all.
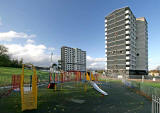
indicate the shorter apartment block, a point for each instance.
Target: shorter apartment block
{"x":73,"y":59}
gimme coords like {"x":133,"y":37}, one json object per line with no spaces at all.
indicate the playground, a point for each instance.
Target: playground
{"x":73,"y":99}
{"x":74,"y":94}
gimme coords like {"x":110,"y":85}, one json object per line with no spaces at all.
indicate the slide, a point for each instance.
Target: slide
{"x":97,"y":88}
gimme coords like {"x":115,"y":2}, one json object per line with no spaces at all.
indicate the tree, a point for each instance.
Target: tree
{"x":3,"y":50}
{"x":4,"y":58}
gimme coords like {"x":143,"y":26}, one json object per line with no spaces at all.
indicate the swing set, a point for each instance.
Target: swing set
{"x":62,"y":77}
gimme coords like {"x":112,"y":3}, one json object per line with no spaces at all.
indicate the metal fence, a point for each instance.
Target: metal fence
{"x":145,"y":88}
{"x":155,"y":104}
{"x":150,"y":92}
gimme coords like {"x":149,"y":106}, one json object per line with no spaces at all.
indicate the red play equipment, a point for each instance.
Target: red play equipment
{"x":15,"y":85}
{"x":16,"y":82}
{"x":64,"y":77}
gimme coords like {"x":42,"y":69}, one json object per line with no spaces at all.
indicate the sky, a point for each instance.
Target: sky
{"x":31,"y":29}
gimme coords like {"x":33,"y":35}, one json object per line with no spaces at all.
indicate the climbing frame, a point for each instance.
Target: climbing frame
{"x":29,"y":98}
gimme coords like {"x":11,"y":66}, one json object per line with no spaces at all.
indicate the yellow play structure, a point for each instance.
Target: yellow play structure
{"x":92,"y":77}
{"x":87,"y":77}
{"x":29,"y":98}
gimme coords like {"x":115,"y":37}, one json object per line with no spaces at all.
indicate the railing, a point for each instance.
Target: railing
{"x":152,"y":93}
{"x":155,"y":104}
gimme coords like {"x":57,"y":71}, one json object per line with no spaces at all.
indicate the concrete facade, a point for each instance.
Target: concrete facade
{"x":73,"y":59}
{"x":142,"y":44}
{"x":122,"y":45}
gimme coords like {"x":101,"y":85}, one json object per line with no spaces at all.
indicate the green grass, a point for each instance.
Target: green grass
{"x":152,"y":84}
{"x":148,"y":88}
{"x":7,"y":72}
{"x":50,"y":100}
{"x":157,"y":85}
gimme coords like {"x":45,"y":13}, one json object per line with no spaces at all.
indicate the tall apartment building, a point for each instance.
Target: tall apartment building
{"x":73,"y":59}
{"x":126,"y":43}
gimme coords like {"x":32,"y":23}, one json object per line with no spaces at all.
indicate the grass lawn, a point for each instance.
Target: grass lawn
{"x":151,"y":83}
{"x":73,"y":99}
{"x":7,"y":72}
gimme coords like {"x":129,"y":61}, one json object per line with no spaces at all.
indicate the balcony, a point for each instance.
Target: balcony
{"x":127,"y":12}
{"x":127,"y":17}
{"x":105,"y":42}
{"x":105,"y":29}
{"x":105,"y":20}
{"x":127,"y":68}
{"x":127,"y":63}
{"x":127,"y":27}
{"x":127,"y":32}
{"x":128,"y":52}
{"x":105,"y":46}
{"x":127,"y":42}
{"x":105,"y":33}
{"x":105,"y":38}
{"x":127,"y":58}
{"x":127,"y":22}
{"x":127,"y":37}
{"x":127,"y":47}
{"x":105,"y":25}
{"x":105,"y":50}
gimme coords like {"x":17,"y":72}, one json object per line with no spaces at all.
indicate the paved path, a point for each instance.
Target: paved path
{"x":123,"y":100}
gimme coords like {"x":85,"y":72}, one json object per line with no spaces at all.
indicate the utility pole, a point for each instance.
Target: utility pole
{"x":51,"y":58}
{"x":51,"y":68}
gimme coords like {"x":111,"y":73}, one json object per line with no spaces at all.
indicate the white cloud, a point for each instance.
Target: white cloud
{"x":95,"y":63}
{"x":51,"y":49}
{"x":89,"y":58}
{"x":31,"y":53}
{"x":153,"y":63}
{"x":40,"y":55}
{"x":30,"y":41}
{"x":8,"y":36}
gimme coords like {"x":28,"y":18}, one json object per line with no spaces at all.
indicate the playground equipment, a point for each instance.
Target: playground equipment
{"x":29,"y":97}
{"x":54,"y":79}
{"x":75,"y":76}
{"x":12,"y":85}
{"x":61,"y":77}
{"x":16,"y":82}
{"x":97,"y":88}
{"x":91,"y":80}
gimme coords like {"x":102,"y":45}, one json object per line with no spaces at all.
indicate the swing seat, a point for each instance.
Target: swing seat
{"x":51,"y":85}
